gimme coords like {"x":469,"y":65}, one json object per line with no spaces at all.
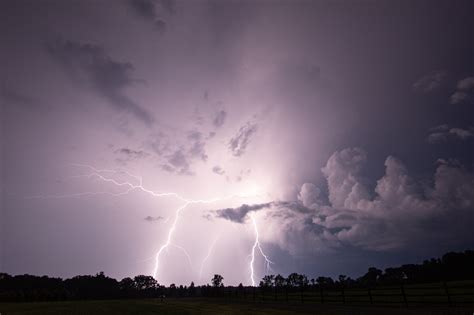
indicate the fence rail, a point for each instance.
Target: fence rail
{"x":403,"y":295}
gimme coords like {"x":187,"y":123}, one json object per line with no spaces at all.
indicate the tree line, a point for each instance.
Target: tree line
{"x":451,"y":266}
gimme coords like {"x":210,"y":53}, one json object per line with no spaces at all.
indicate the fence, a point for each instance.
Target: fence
{"x":452,"y":294}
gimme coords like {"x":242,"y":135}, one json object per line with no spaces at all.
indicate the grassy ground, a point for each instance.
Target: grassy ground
{"x":206,"y":306}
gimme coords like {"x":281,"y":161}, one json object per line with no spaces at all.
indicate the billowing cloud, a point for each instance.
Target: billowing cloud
{"x":309,"y":195}
{"x":342,"y":172}
{"x":429,"y":82}
{"x":108,"y":77}
{"x":401,"y":212}
{"x":238,"y":144}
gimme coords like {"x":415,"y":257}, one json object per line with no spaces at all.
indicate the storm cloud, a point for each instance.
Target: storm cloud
{"x":349,"y":147}
{"x":109,"y":77}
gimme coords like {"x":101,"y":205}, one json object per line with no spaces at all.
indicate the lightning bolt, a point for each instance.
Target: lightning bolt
{"x":256,"y":245}
{"x":185,"y":252}
{"x":100,"y":174}
{"x":207,"y":257}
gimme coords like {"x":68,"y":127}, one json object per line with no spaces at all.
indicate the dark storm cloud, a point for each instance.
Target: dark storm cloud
{"x":105,"y":75}
{"x":218,"y":170}
{"x":464,"y":92}
{"x":153,"y":219}
{"x":444,"y":133}
{"x":430,"y":81}
{"x":238,"y":144}
{"x":219,"y":119}
{"x":238,"y":214}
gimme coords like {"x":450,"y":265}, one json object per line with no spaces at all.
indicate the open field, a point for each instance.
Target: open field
{"x":208,"y":306}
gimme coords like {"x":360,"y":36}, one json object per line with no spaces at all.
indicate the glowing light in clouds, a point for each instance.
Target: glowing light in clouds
{"x":252,"y":190}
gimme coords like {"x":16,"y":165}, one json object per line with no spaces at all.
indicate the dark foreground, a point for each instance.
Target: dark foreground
{"x":209,"y":306}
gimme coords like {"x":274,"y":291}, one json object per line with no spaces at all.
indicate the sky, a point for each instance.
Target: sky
{"x":181,"y":139}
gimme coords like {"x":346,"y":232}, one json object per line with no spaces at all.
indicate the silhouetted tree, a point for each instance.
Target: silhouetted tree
{"x":293,"y":279}
{"x":279,"y":281}
{"x":217,"y":281}
{"x":371,"y":277}
{"x":192,"y":289}
{"x":452,"y":266}
{"x":267,"y":281}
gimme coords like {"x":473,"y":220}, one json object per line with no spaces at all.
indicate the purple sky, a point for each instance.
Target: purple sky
{"x":343,"y":129}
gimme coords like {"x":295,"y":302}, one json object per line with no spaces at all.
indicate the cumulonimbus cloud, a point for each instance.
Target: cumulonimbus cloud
{"x":398,"y":212}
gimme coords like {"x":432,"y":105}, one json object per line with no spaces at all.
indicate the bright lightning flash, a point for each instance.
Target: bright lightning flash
{"x":101,"y":174}
{"x":256,"y":245}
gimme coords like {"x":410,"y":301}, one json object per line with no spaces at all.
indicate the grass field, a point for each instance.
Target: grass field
{"x":206,"y":306}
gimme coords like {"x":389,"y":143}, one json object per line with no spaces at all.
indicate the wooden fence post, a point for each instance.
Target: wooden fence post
{"x":321,"y":294}
{"x":450,"y":303}
{"x":254,"y":294}
{"x":370,"y":296}
{"x":343,"y":296}
{"x":404,"y":296}
{"x":286,"y":293}
{"x":302,"y":294}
